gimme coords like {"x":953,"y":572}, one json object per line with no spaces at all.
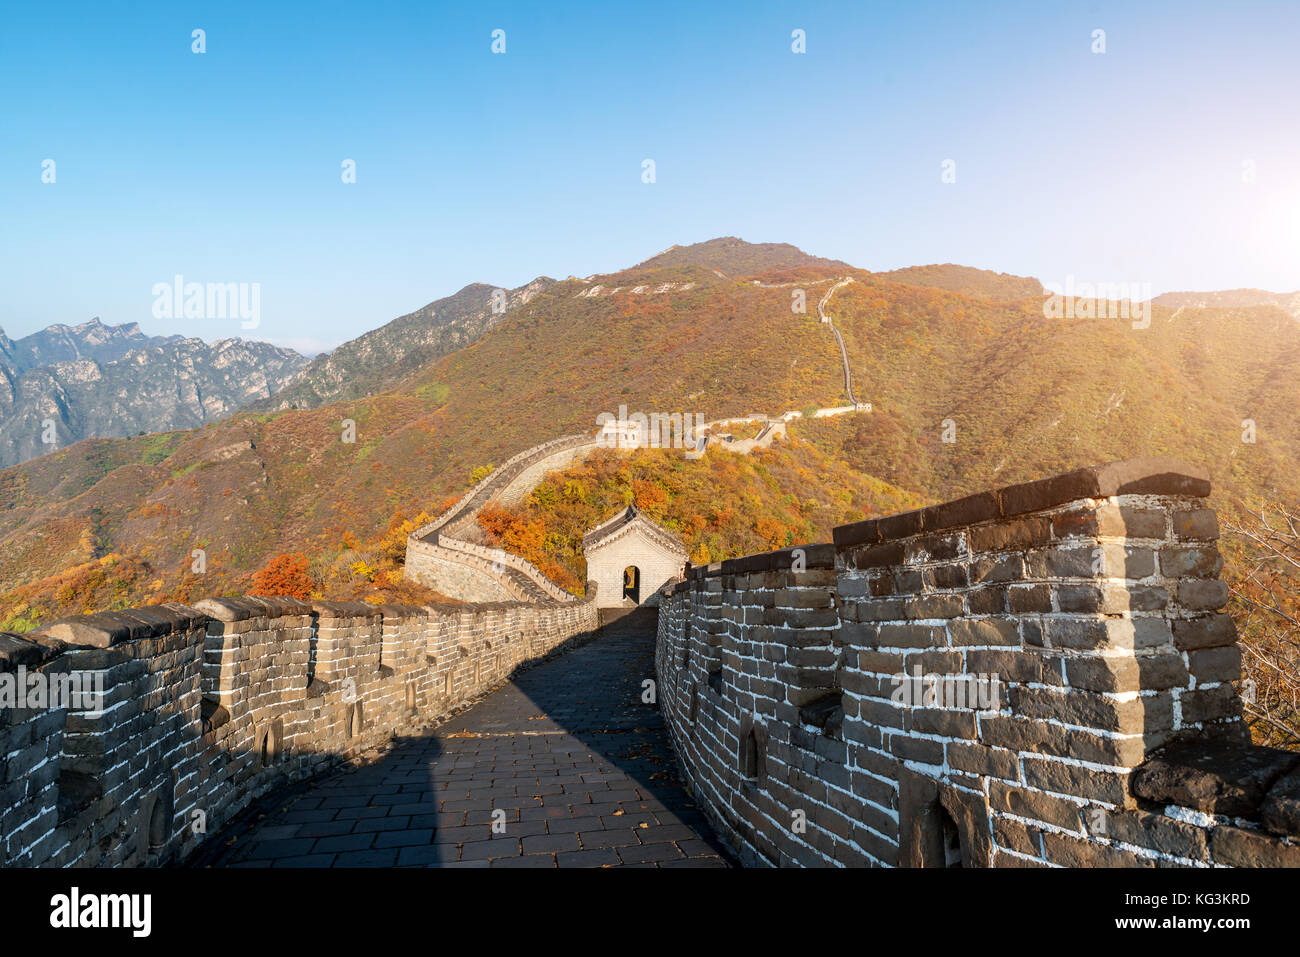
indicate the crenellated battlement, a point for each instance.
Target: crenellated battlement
{"x":442,"y":554}
{"x":206,"y":708}
{"x":832,"y":705}
{"x":1040,"y":675}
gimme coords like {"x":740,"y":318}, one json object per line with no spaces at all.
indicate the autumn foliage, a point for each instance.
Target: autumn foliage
{"x":722,"y":506}
{"x":528,"y":536}
{"x":287,"y":575}
{"x":1265,"y":581}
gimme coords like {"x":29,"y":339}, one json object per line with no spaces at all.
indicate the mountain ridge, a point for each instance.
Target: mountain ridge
{"x":1025,"y":395}
{"x":1288,"y":302}
{"x":736,"y":257}
{"x":93,"y":339}
{"x":377,"y":359}
{"x":65,"y":383}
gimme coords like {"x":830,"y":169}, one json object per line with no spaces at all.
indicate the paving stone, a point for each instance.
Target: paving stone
{"x":697,"y":848}
{"x":305,"y":860}
{"x":327,"y":828}
{"x":405,"y":838}
{"x":277,"y":832}
{"x":611,"y":837}
{"x":527,"y":860}
{"x":649,"y":852}
{"x":292,"y":847}
{"x":695,"y":862}
{"x":487,"y":850}
{"x":461,"y":835}
{"x":343,"y":842}
{"x":541,"y":843}
{"x":380,"y":857}
{"x":313,"y":816}
{"x":404,"y":810}
{"x":429,"y":855}
{"x":524,"y":828}
{"x":662,"y":833}
{"x":389,"y":823}
{"x":596,"y":857}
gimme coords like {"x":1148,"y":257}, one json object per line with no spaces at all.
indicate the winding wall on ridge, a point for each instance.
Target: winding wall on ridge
{"x":445,"y":554}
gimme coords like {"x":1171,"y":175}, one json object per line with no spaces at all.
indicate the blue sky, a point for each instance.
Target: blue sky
{"x":225,"y":167}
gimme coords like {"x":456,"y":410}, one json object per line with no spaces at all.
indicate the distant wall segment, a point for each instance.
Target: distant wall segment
{"x":445,"y":554}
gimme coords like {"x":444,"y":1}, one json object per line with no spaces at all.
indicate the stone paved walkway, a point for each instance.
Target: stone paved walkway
{"x":580,"y":768}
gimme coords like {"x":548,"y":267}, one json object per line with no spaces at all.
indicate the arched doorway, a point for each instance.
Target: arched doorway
{"x":632,"y":584}
{"x":630,"y":558}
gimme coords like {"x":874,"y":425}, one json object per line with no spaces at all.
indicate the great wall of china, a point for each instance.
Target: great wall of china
{"x":208,"y":708}
{"x":839,"y":339}
{"x":1093,"y":597}
{"x":448,"y":553}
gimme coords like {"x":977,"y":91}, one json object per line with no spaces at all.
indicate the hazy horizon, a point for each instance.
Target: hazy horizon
{"x":311,"y":347}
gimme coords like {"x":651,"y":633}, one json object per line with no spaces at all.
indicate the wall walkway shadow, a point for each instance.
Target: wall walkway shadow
{"x":563,"y":765}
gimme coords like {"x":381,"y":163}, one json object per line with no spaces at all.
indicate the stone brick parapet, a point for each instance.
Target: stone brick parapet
{"x":462,"y":513}
{"x":1035,"y":676}
{"x":441,"y":554}
{"x":499,"y":558}
{"x":204,"y":709}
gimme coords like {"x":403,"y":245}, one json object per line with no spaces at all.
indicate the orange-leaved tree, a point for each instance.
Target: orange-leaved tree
{"x":286,"y":575}
{"x":648,"y":496}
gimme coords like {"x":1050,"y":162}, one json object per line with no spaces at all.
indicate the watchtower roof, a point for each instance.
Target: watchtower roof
{"x":627,"y":522}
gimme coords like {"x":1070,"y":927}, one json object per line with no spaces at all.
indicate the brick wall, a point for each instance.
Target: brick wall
{"x":1035,"y":676}
{"x":446,"y":555}
{"x":517,"y":489}
{"x":207,"y":708}
{"x":465,"y":577}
